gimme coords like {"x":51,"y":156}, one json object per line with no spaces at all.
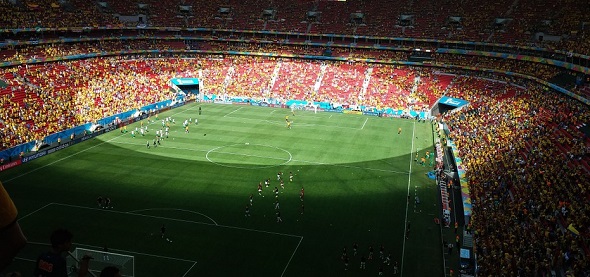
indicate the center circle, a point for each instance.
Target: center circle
{"x":247,"y":155}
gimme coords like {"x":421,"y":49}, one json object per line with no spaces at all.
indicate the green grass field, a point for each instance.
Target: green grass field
{"x":356,"y":170}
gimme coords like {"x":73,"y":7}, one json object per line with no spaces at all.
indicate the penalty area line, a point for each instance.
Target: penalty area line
{"x":292,"y":255}
{"x":171,"y":209}
{"x":31,"y":213}
{"x":141,"y":253}
{"x":120,"y":250}
{"x":195,"y":263}
{"x":180,"y":220}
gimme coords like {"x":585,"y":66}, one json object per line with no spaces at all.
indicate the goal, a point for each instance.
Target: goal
{"x":102,"y":259}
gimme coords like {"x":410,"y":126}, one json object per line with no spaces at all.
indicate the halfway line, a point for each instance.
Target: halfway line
{"x":273,"y":158}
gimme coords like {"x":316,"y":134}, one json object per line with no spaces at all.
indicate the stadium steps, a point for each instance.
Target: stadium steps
{"x":30,"y":123}
{"x":566,"y":133}
{"x":19,"y":95}
{"x":445,"y":80}
{"x":367,"y":80}
{"x":176,"y":45}
{"x":7,"y":54}
{"x":508,"y":95}
{"x":467,"y":240}
{"x":8,"y":76}
{"x":523,"y":155}
{"x":528,"y":145}
{"x":5,"y":91}
{"x":560,"y":147}
{"x":275,"y":76}
{"x":585,"y":165}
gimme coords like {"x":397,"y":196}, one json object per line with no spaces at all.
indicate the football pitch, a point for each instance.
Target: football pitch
{"x":358,"y":175}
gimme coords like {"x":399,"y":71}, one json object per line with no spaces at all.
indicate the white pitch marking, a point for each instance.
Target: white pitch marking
{"x":407,"y":204}
{"x":182,"y":210}
{"x":300,"y":240}
{"x":275,"y":158}
{"x":233,"y":111}
{"x":81,"y":151}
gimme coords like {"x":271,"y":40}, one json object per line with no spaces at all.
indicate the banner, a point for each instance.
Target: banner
{"x":9,"y":165}
{"x":455,"y":102}
{"x":185,"y":81}
{"x":59,"y":147}
{"x":35,"y":156}
{"x":461,"y":170}
{"x":372,"y":113}
{"x":351,"y":112}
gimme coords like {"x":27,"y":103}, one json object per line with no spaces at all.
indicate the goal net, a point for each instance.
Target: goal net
{"x":102,"y":259}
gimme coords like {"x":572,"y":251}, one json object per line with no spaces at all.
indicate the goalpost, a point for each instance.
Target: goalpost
{"x":102,"y":259}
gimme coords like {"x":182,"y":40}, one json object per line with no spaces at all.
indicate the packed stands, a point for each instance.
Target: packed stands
{"x":214,"y":73}
{"x":390,"y":86}
{"x":506,"y":21}
{"x":247,"y":14}
{"x":522,"y":214}
{"x":381,"y":18}
{"x":167,"y":13}
{"x":541,"y":71}
{"x":205,"y":16}
{"x":44,"y":99}
{"x":251,"y":77}
{"x":342,"y":82}
{"x":526,"y":157}
{"x":53,"y":14}
{"x":290,"y":17}
{"x":432,"y":86}
{"x":125,"y":7}
{"x":296,"y":79}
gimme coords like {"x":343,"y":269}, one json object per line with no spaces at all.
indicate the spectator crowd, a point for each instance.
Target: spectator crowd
{"x":505,"y":21}
{"x":527,"y":168}
{"x":526,"y":158}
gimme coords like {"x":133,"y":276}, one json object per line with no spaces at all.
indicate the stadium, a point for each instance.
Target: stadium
{"x":297,"y":138}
